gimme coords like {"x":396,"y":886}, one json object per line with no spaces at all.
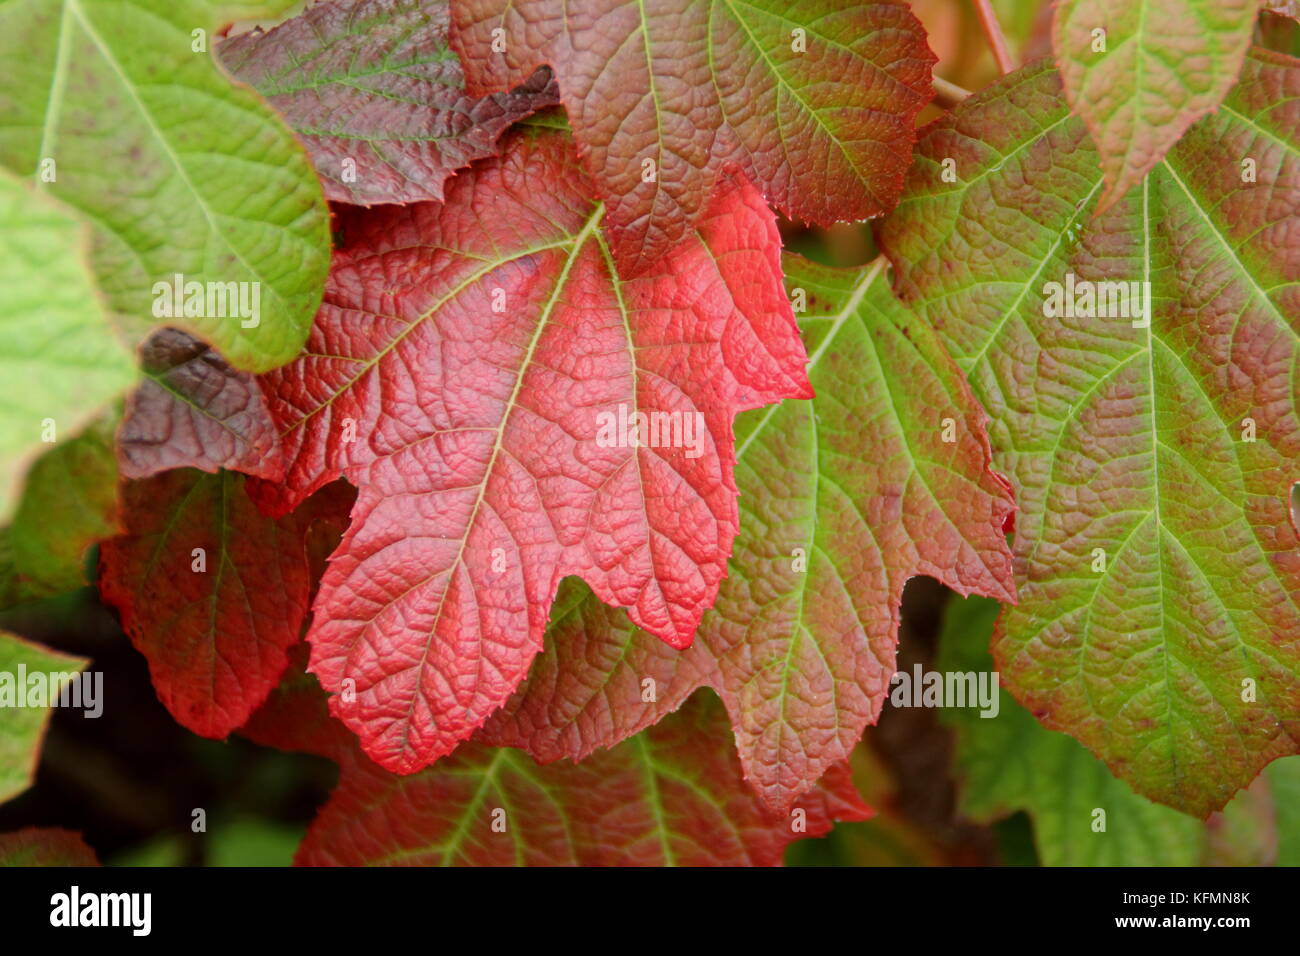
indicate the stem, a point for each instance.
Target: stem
{"x":948,"y":94}
{"x":993,"y":32}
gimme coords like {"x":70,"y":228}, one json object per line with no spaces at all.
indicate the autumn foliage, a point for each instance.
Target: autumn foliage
{"x":567,"y":511}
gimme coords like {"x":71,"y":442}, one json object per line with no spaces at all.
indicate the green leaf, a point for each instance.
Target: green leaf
{"x":1158,"y":563}
{"x":59,"y":360}
{"x":252,"y":843}
{"x":12,"y":589}
{"x":1010,"y":762}
{"x":1284,"y":783}
{"x":69,"y":504}
{"x":23,"y":728}
{"x":1154,"y":69}
{"x":178,"y":170}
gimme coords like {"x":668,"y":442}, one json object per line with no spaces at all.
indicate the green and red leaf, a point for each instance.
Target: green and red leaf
{"x":673,"y":795}
{"x":800,"y":644}
{"x":1157,"y":557}
{"x":468,"y":373}
{"x":378,"y":97}
{"x":45,"y":846}
{"x":813,"y":99}
{"x":1141,"y":72}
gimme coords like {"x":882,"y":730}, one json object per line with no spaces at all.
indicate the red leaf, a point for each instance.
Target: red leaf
{"x":482,"y":480}
{"x":211,"y":591}
{"x":377,"y":96}
{"x":195,"y":411}
{"x":674,"y":795}
{"x":814,"y":99}
{"x":295,"y":717}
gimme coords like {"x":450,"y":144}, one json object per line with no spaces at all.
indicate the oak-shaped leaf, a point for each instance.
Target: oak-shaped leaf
{"x":672,"y":795}
{"x":192,"y":410}
{"x":513,"y":410}
{"x":1139,"y":369}
{"x":1140,"y":72}
{"x":813,"y":99}
{"x":31,"y":679}
{"x":211,"y":591}
{"x":378,"y":97}
{"x":883,"y":476}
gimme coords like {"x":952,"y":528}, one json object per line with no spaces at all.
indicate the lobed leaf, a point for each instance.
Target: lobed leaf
{"x":813,"y":99}
{"x":468,"y":373}
{"x":1157,"y":558}
{"x":843,"y":498}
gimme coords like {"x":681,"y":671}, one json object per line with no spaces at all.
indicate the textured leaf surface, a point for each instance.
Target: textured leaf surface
{"x":1133,"y":440}
{"x":1010,"y":762}
{"x":692,"y":85}
{"x":484,"y":468}
{"x":23,"y":728}
{"x":211,"y":591}
{"x":374,"y":83}
{"x":843,"y":499}
{"x":45,"y":846}
{"x":194,"y":411}
{"x":59,"y":358}
{"x":68,"y":505}
{"x":673,"y":795}
{"x":1166,"y":63}
{"x":178,"y":170}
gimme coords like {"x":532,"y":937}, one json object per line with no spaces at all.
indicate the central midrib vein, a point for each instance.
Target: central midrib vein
{"x":579,"y":241}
